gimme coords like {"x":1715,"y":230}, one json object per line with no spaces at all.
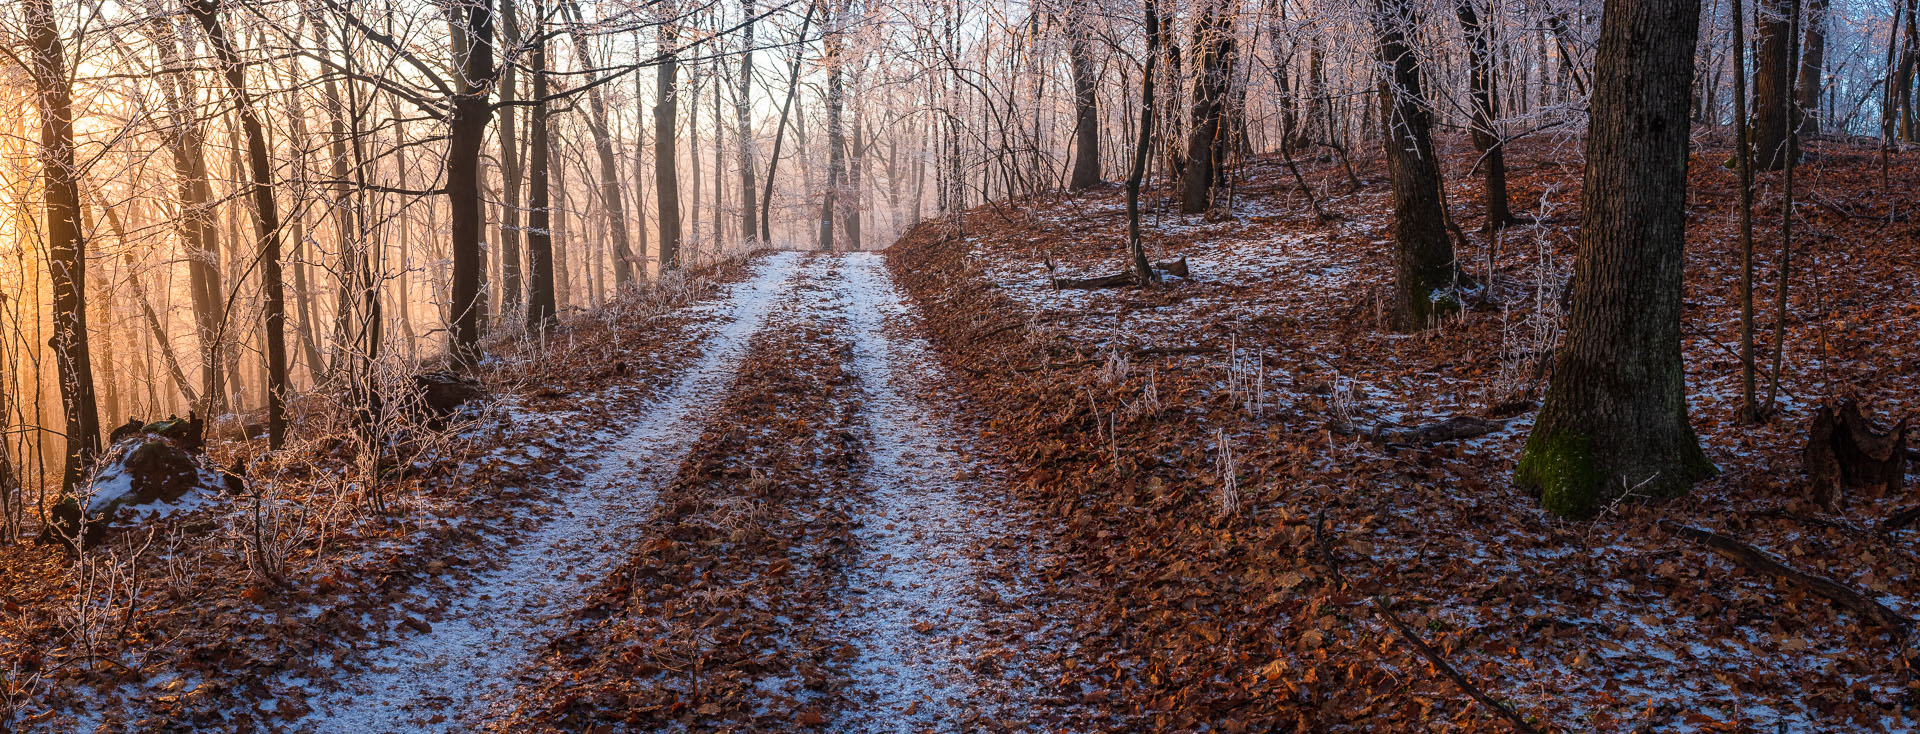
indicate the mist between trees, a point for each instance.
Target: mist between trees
{"x":248,"y":210}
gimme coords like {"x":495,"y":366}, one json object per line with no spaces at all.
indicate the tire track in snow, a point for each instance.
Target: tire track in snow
{"x":913,"y":611}
{"x":447,"y":679}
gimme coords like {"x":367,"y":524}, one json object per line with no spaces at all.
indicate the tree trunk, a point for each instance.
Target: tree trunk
{"x":666,"y":179}
{"x":1615,"y":418}
{"x":66,"y":252}
{"x":1424,"y":268}
{"x":1486,"y":134}
{"x":742,"y":112}
{"x":540,"y":284}
{"x":1142,"y":149}
{"x":1813,"y":67}
{"x":466,"y":134}
{"x":610,"y":196}
{"x":836,"y":137}
{"x":1772,"y":90}
{"x":1086,"y":105}
{"x":1208,"y":140}
{"x":780,"y":130}
{"x":511,"y":287}
{"x":266,"y":220}
{"x":186,"y":140}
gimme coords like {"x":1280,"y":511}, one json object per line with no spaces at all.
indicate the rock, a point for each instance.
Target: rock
{"x":154,"y":471}
{"x":440,"y":394}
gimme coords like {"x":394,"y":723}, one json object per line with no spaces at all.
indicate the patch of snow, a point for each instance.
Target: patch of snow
{"x":446,"y":679}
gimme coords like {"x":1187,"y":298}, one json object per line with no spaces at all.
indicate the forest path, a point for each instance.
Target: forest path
{"x":448,"y":678}
{"x":917,"y":597}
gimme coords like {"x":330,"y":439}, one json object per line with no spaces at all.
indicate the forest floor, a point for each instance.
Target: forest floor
{"x":925,"y":491}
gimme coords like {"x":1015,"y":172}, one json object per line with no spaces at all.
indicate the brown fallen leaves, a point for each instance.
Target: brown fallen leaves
{"x":1186,"y":620}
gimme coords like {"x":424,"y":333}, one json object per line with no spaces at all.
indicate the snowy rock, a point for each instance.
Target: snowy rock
{"x":152,"y":471}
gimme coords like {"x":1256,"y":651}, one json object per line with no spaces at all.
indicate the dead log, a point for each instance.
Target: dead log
{"x":1456,"y":428}
{"x":1846,"y":450}
{"x":1117,"y":280}
{"x":1760,"y":561}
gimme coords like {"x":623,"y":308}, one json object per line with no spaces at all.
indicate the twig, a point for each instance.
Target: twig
{"x":1382,"y":608}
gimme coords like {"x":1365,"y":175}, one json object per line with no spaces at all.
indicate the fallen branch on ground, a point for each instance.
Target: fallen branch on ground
{"x":1760,"y":561}
{"x":1452,"y":429}
{"x":1176,"y":268}
{"x":1385,"y":611}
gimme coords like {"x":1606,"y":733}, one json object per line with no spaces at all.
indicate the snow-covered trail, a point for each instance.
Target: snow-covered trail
{"x":911,"y":609}
{"x":449,"y":678}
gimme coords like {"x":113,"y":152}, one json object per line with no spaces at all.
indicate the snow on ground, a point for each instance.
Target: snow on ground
{"x":446,"y":678}
{"x":912,"y":609}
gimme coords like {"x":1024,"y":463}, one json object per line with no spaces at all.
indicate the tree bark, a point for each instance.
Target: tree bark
{"x":1424,"y":267}
{"x":1208,"y":140}
{"x":666,"y":179}
{"x":511,"y":286}
{"x":1615,"y":418}
{"x":472,"y":24}
{"x":610,"y":196}
{"x":1772,"y":85}
{"x":1142,"y":149}
{"x":1486,"y":133}
{"x":66,"y":251}
{"x":780,"y":130}
{"x":540,"y":284}
{"x":1813,"y":67}
{"x":186,"y":142}
{"x":1086,"y":105}
{"x":742,"y":112}
{"x":266,"y":219}
{"x":836,"y":137}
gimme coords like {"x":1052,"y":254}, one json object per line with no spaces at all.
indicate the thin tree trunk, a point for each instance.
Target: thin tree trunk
{"x":1142,"y":150}
{"x":1615,"y":418}
{"x":1772,"y":92}
{"x":266,"y":219}
{"x":1813,"y":66}
{"x":511,"y":287}
{"x":742,"y":112}
{"x":1743,"y":161}
{"x":780,"y":130}
{"x":599,"y":125}
{"x":836,"y":138}
{"x":665,"y":159}
{"x":472,"y":27}
{"x":1086,"y":104}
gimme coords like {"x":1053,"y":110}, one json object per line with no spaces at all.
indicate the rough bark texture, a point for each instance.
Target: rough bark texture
{"x":1208,"y":141}
{"x":510,"y":174}
{"x":610,"y":196}
{"x":836,"y":137}
{"x":1615,"y":417}
{"x":742,"y":112}
{"x":1813,"y":67}
{"x":1143,"y":271}
{"x":1424,"y":268}
{"x":1486,"y":137}
{"x":66,"y":252}
{"x":466,"y":134}
{"x":1086,"y":109}
{"x":1772,"y":85}
{"x":541,"y":301}
{"x":666,"y":176}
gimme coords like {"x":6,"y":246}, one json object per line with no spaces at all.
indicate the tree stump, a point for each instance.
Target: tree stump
{"x":1846,"y":450}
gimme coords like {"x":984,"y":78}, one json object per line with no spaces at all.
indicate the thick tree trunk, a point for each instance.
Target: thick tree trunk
{"x":266,"y":219}
{"x":1086,"y":106}
{"x":666,"y":178}
{"x":1208,"y":140}
{"x":1813,"y":67}
{"x":66,"y":252}
{"x":1772,"y":87}
{"x":1486,"y":135}
{"x":1424,"y":267}
{"x":836,"y":137}
{"x":466,"y":134}
{"x":1615,"y":418}
{"x":541,"y":303}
